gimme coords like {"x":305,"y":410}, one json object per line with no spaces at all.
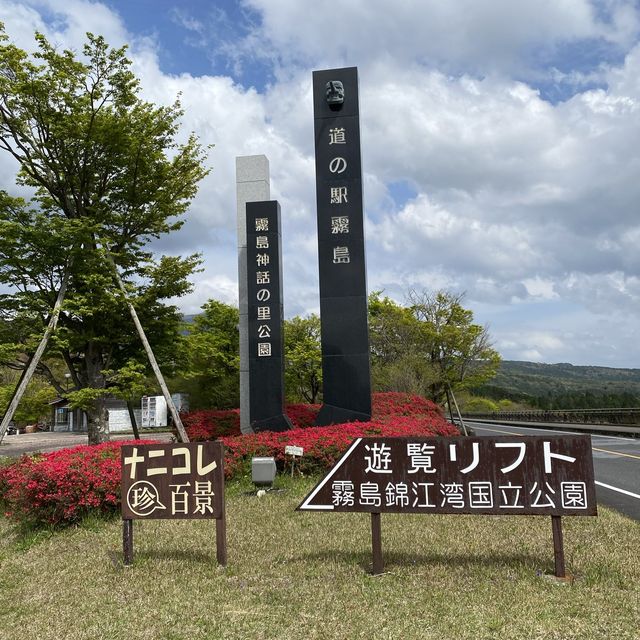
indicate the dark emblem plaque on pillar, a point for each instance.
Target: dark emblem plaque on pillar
{"x":264,"y":288}
{"x":343,"y":286}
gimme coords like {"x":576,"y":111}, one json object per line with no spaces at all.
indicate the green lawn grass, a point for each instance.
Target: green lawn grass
{"x":305,"y":575}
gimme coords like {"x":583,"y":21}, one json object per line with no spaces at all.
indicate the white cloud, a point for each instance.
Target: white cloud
{"x":472,"y":34}
{"x":65,"y":25}
{"x":540,"y":288}
{"x":526,"y":205}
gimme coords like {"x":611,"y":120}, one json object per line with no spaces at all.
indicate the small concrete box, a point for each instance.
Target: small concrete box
{"x":263,"y":470}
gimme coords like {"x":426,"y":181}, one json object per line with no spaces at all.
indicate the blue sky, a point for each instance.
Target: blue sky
{"x":500,"y":146}
{"x":192,"y":36}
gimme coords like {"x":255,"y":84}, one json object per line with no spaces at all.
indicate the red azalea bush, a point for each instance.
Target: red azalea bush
{"x":393,"y":403}
{"x":302,"y":416}
{"x":213,"y":424}
{"x":324,"y":445}
{"x":62,"y":487}
{"x":394,"y":414}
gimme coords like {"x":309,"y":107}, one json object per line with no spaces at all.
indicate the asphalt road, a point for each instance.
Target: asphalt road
{"x":616,"y":464}
{"x":42,"y":441}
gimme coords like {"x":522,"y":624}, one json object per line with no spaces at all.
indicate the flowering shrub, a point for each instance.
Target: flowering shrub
{"x":324,"y":445}
{"x":394,"y":414}
{"x":213,"y":424}
{"x":61,"y":487}
{"x":4,"y":463}
{"x":393,"y":403}
{"x":303,"y":416}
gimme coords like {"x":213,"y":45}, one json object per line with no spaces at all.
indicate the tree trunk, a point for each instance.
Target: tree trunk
{"x":97,"y":422}
{"x":315,"y":392}
{"x":97,"y":414}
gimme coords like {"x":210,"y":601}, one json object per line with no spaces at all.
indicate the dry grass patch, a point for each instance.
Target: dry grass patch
{"x":304,"y":575}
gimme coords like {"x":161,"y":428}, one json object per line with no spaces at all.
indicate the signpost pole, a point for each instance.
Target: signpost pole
{"x":558,"y":547}
{"x":221,"y":522}
{"x":376,"y":543}
{"x":472,"y":469}
{"x":221,"y":541}
{"x":127,"y":542}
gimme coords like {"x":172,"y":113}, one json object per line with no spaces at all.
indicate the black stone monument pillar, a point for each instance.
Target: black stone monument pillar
{"x":343,"y":286}
{"x":264,"y":289}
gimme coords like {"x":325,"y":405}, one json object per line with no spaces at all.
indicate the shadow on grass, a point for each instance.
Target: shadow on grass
{"x":179,"y":555}
{"x":25,"y":535}
{"x":465,"y":561}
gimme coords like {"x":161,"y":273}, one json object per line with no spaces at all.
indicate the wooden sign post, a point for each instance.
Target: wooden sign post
{"x":174,"y":482}
{"x":519,"y":475}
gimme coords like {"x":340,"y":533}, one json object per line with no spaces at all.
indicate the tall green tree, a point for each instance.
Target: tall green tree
{"x":108,"y":175}
{"x":428,"y":345}
{"x":303,"y":359}
{"x":211,"y":373}
{"x":397,"y":359}
{"x":459,"y":350}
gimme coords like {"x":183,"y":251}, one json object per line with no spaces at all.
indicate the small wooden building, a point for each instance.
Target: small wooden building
{"x":64,"y":418}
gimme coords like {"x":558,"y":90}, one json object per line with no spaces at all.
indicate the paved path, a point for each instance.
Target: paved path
{"x":616,"y":463}
{"x":14,"y":446}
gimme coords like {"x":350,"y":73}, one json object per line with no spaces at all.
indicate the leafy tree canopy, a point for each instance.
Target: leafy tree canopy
{"x":212,"y":368}
{"x":107,"y":175}
{"x":303,"y":359}
{"x":35,"y":403}
{"x":425,"y":347}
{"x":428,"y":346}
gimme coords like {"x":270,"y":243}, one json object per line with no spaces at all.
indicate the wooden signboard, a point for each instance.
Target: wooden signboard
{"x":173,"y":481}
{"x":519,"y":475}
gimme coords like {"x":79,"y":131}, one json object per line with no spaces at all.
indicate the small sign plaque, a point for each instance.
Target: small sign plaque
{"x":291,"y":450}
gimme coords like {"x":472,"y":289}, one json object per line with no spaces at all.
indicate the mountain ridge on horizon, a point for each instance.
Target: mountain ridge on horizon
{"x":563,"y":385}
{"x":570,"y":364}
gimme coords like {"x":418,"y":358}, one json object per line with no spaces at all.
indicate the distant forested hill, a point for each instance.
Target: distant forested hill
{"x":564,"y":386}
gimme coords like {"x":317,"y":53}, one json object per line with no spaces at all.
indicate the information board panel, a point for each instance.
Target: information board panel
{"x":172,"y":481}
{"x":519,"y":475}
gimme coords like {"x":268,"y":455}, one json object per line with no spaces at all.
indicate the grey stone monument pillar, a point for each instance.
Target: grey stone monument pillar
{"x":252,"y":185}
